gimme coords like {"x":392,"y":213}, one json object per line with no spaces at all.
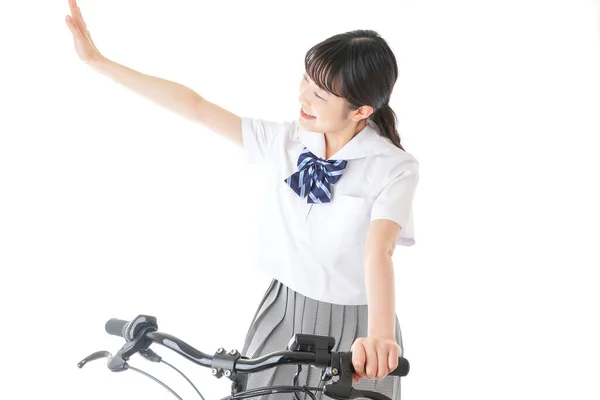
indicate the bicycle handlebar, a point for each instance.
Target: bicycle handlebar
{"x":129,"y":329}
{"x":312,"y":350}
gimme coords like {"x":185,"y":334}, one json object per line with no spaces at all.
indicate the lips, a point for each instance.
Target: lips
{"x":306,"y":115}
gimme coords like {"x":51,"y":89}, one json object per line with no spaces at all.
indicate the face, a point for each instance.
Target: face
{"x":327,"y":113}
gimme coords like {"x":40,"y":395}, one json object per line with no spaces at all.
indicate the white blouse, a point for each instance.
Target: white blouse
{"x":317,"y":249}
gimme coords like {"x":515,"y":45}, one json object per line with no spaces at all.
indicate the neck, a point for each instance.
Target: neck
{"x":334,"y":141}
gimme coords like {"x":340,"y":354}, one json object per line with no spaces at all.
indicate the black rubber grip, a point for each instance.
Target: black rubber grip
{"x":116,"y":327}
{"x":401,"y":370}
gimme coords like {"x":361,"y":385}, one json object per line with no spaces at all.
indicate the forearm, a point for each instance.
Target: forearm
{"x":168,"y":94}
{"x":379,"y":275}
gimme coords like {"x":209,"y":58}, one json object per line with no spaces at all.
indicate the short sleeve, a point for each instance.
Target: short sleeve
{"x":394,"y":202}
{"x":262,"y":139}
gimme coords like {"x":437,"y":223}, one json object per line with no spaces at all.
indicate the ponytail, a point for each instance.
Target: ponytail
{"x":385,"y":118}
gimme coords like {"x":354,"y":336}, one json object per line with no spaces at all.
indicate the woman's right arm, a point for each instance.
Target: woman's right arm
{"x":174,"y":97}
{"x":171,"y":95}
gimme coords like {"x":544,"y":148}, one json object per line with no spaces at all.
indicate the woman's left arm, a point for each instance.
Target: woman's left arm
{"x":377,"y":354}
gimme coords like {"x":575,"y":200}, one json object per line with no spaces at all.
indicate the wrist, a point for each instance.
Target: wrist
{"x":378,"y":334}
{"x":98,"y":63}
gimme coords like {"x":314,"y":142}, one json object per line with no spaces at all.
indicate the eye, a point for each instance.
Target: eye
{"x":319,"y":96}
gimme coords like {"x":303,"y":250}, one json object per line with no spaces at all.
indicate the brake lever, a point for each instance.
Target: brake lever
{"x":94,"y":356}
{"x":115,"y":363}
{"x":118,"y":362}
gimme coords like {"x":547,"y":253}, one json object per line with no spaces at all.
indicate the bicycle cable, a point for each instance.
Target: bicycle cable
{"x":295,"y":381}
{"x":151,"y":355}
{"x":155,"y":379}
{"x":266,"y":391}
{"x":186,"y":378}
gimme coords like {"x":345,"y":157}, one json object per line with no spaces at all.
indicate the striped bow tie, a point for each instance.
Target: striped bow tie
{"x":315,"y":177}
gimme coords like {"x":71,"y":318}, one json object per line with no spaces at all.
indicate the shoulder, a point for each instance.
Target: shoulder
{"x":393,"y":161}
{"x":264,"y":139}
{"x":252,"y":124}
{"x":384,"y":149}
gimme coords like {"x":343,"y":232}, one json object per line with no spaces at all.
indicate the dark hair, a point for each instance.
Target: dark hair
{"x":360,"y":67}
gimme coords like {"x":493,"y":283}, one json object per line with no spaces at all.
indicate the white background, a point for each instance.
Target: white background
{"x":112,"y":207}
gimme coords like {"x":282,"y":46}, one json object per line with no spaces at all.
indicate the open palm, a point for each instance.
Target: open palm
{"x":86,"y":50}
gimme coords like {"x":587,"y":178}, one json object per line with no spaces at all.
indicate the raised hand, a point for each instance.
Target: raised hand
{"x":86,"y":50}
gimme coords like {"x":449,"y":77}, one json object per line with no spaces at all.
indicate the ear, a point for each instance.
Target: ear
{"x":362,"y":112}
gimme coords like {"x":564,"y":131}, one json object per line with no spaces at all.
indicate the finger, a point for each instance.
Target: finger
{"x":78,"y":17}
{"x":382,"y":361}
{"x":393,"y":357}
{"x":73,"y":27}
{"x":81,"y":21}
{"x":73,"y":8}
{"x":355,"y":377}
{"x":359,"y":358}
{"x":371,"y":351}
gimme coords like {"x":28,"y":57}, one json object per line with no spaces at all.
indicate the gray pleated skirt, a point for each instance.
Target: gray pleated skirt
{"x":283,"y":312}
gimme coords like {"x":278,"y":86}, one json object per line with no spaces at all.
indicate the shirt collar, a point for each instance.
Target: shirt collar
{"x":368,"y":142}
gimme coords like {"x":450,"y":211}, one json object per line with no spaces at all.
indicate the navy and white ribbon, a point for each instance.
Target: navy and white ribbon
{"x":315,"y":176}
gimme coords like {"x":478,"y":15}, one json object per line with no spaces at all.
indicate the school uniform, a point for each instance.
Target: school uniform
{"x":312,"y":242}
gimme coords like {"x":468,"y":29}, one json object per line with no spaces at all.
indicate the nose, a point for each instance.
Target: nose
{"x":302,"y":100}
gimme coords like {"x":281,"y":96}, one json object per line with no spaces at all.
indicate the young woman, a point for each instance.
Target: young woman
{"x":340,"y":201}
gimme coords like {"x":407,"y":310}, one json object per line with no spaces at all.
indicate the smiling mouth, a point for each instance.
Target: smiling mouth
{"x":305,"y":115}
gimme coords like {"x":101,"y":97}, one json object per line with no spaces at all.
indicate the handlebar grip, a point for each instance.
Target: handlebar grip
{"x":401,"y":370}
{"x":116,"y":327}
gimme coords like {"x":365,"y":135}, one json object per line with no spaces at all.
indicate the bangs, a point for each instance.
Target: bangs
{"x":323,"y":64}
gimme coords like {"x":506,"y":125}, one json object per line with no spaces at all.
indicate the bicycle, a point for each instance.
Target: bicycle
{"x":303,"y":349}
